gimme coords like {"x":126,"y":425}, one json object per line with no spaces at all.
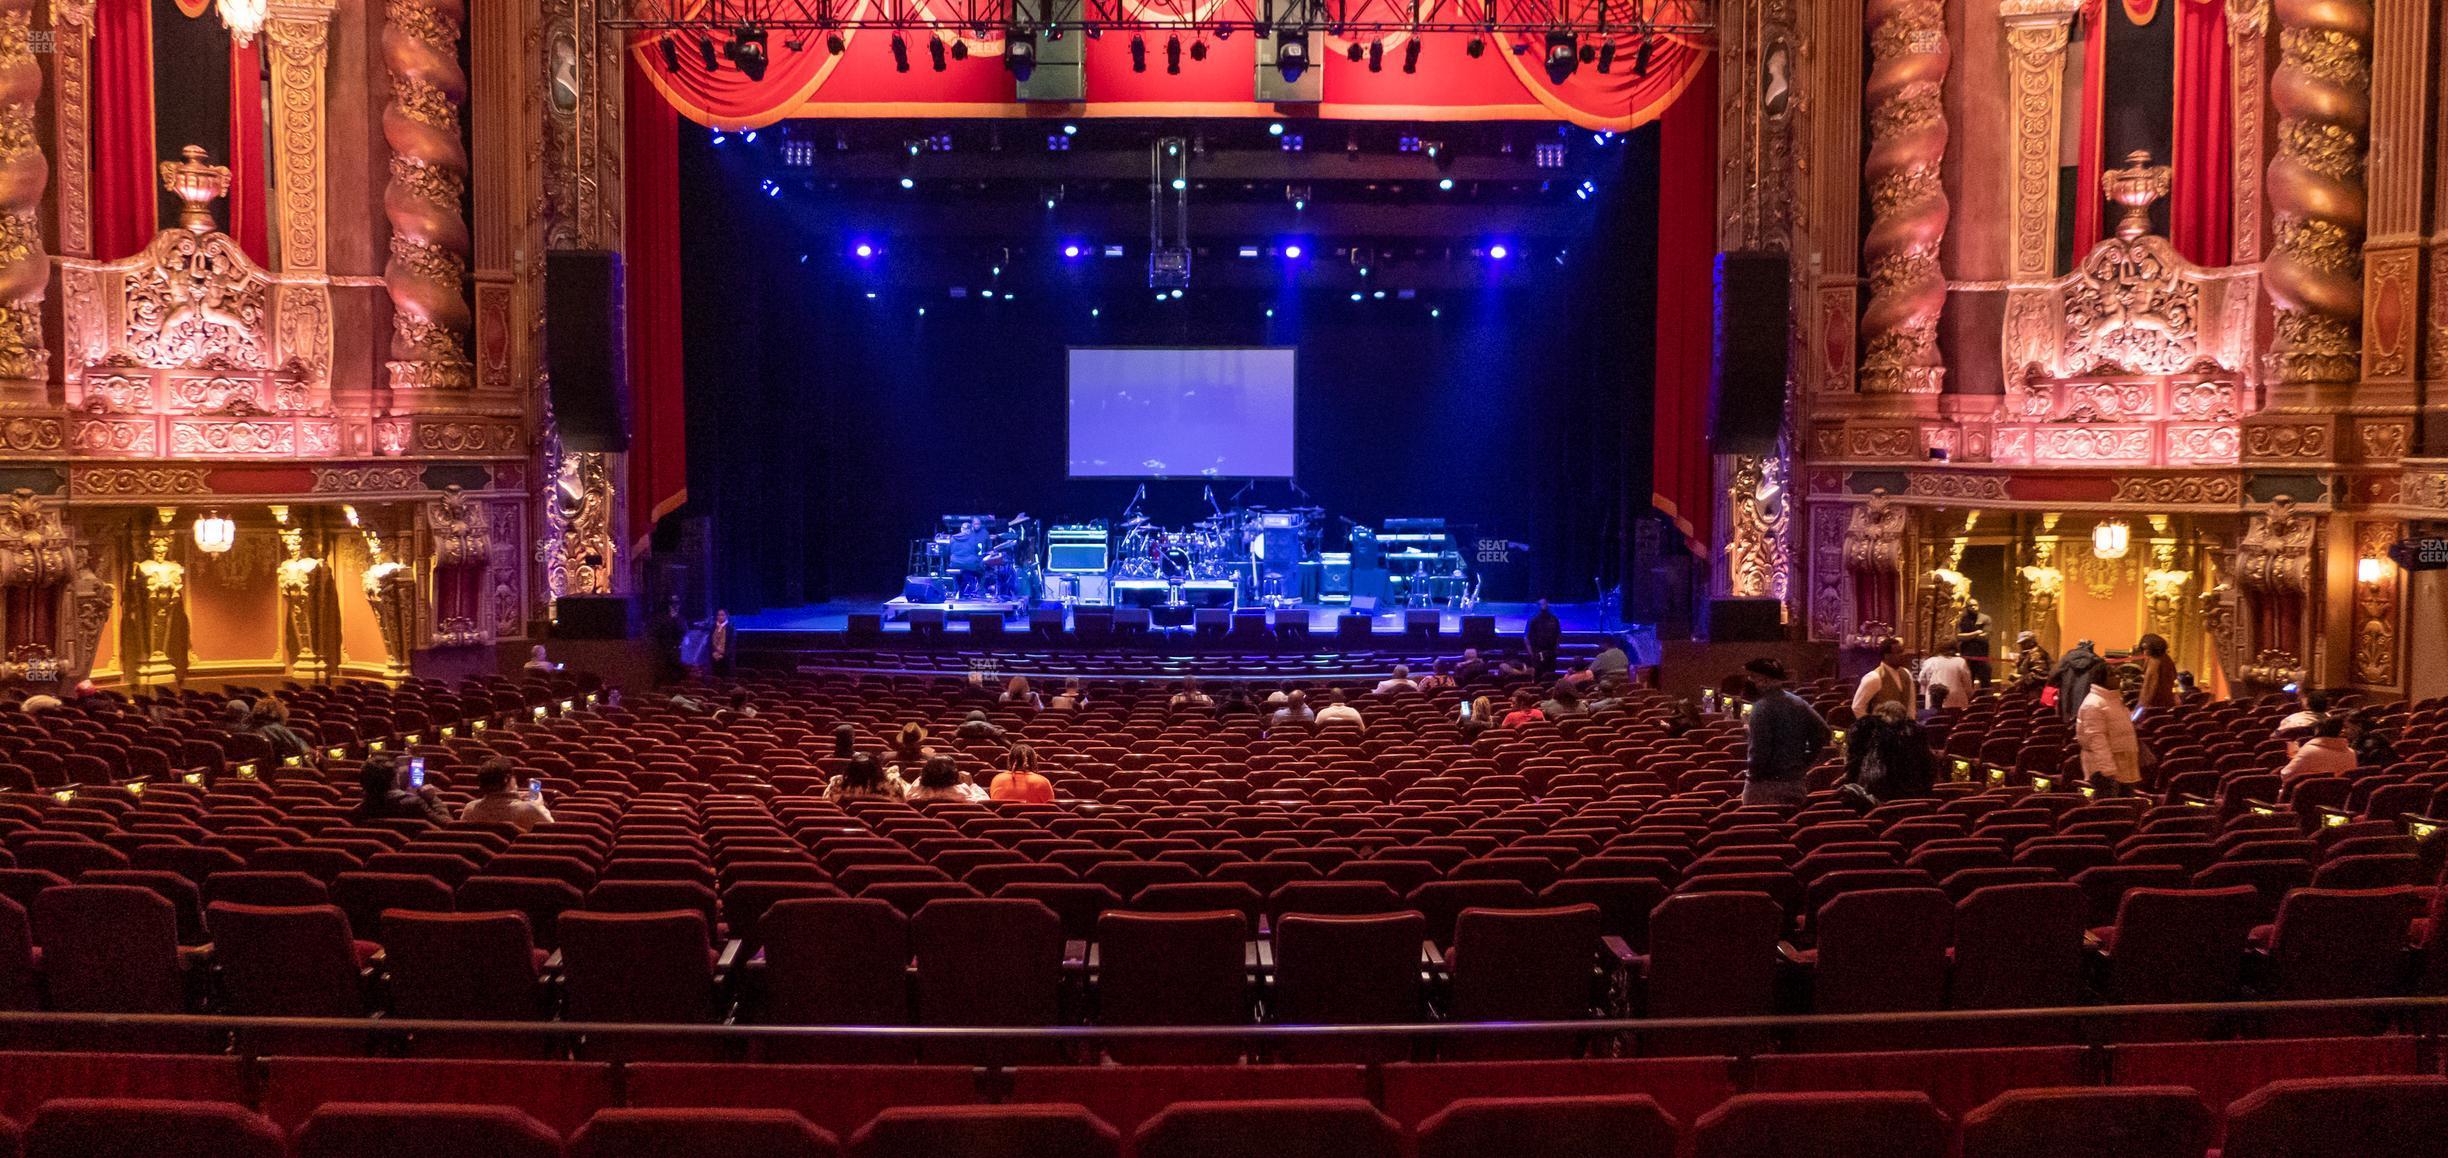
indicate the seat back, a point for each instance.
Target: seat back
{"x":2177,"y":945}
{"x":636,"y":967}
{"x":542,"y":900}
{"x":836,"y":961}
{"x":986,"y":1131}
{"x":472,"y":966}
{"x":1173,"y":969}
{"x":1347,"y":970}
{"x":2019,"y":947}
{"x":1714,"y":955}
{"x":364,"y":896}
{"x":2376,"y":1117}
{"x":662,"y":1133}
{"x":1856,"y":1124}
{"x":987,"y":961}
{"x":416,"y":1130}
{"x":2132,"y":1122}
{"x":1883,"y":950}
{"x":109,"y":949}
{"x":1345,"y":1127}
{"x":1617,"y":1126}
{"x":1522,"y":965}
{"x":131,"y":1127}
{"x":287,"y":961}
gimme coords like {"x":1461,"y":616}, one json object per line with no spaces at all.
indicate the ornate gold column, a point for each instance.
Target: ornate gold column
{"x":2036,"y":35}
{"x":2377,"y":584}
{"x":2322,"y":92}
{"x":2401,"y":91}
{"x":2247,"y":50}
{"x":25,"y":269}
{"x":1908,"y":205}
{"x":299,"y":32}
{"x":72,"y":23}
{"x":427,"y":270}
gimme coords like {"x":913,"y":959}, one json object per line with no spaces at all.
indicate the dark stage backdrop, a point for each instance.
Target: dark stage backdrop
{"x":827,"y":429}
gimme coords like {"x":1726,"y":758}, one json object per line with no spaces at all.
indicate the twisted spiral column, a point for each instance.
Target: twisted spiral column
{"x":24,"y":268}
{"x":427,"y":271}
{"x":1908,"y":206}
{"x":2322,"y":91}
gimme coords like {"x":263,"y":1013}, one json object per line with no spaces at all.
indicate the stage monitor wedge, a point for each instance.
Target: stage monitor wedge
{"x":584,"y":349}
{"x":1747,"y":357}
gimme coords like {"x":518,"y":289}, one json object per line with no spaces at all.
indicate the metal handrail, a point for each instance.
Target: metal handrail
{"x":1442,"y":1029}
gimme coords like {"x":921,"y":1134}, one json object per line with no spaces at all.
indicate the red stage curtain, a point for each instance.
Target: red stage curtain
{"x":1686,"y":279}
{"x":2088,"y":200}
{"x":124,"y":179}
{"x":658,"y":446}
{"x":250,"y":189}
{"x":2199,"y":218}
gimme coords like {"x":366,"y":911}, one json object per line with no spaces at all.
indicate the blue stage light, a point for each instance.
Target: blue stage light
{"x":908,"y":183}
{"x":1445,"y":184}
{"x":1177,"y":293}
{"x":1435,"y":313}
{"x":1070,"y":130}
{"x":1180,"y":183}
{"x":871,"y":295}
{"x":1270,"y":311}
{"x":1499,"y":252}
{"x":1292,"y":251}
{"x":1071,"y":251}
{"x":1355,"y":297}
{"x":864,"y":250}
{"x":720,"y":138}
{"x":1275,"y":129}
{"x":1095,"y":312}
{"x":751,"y":137}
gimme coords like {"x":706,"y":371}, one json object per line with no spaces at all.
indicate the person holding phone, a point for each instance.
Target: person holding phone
{"x":396,"y":788}
{"x":499,"y":799}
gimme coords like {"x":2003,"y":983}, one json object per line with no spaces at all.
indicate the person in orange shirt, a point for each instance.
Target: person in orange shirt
{"x":1021,"y":782}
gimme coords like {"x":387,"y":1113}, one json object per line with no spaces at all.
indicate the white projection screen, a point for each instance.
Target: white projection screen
{"x":1205,"y":412}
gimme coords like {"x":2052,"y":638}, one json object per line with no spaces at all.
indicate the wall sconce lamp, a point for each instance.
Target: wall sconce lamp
{"x":215,"y":533}
{"x":2111,"y":539}
{"x":2372,"y":571}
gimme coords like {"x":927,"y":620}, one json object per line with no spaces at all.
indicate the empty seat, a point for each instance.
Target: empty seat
{"x":1343,"y":1128}
{"x":638,"y":967}
{"x":987,"y":962}
{"x":1880,"y":951}
{"x":2130,"y":1122}
{"x":986,"y":1132}
{"x":365,"y":895}
{"x":2384,"y":1117}
{"x":293,"y":961}
{"x":836,"y":961}
{"x":2018,"y":947}
{"x":109,"y":949}
{"x":405,"y":1130}
{"x":541,"y":900}
{"x":668,"y":1133}
{"x":465,"y":966}
{"x":2171,"y":946}
{"x":1711,"y":955}
{"x":1172,"y":969}
{"x":1347,"y":970}
{"x":1619,"y":1126}
{"x":143,"y":1128}
{"x":1856,"y":1125}
{"x":1521,"y":965}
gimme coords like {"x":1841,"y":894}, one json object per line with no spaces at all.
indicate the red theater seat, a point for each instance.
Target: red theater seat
{"x":411,"y":1130}
{"x":1686,"y":1087}
{"x":986,"y":1132}
{"x":27,"y":1080}
{"x":1955,"y":1080}
{"x":1817,"y":1125}
{"x":700,"y":1134}
{"x":2401,"y":1117}
{"x":1324,"y":1128}
{"x":2227,"y":1070}
{"x":149,"y":1128}
{"x":559,"y":1094}
{"x":2135,"y":1122}
{"x":1624,"y":1126}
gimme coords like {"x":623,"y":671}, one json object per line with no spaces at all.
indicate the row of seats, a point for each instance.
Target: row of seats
{"x":2314,"y":1118}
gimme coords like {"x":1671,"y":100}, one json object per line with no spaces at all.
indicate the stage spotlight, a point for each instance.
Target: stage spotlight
{"x":1640,"y":57}
{"x":1020,"y":54}
{"x":935,"y":53}
{"x":1173,"y":53}
{"x":1095,"y":312}
{"x":1270,"y":311}
{"x":1292,"y":251}
{"x":1138,"y":54}
{"x":1606,"y":57}
{"x":671,"y":54}
{"x":747,"y":50}
{"x":1445,"y":184}
{"x":1355,"y":53}
{"x":1588,"y":54}
{"x":1198,"y":49}
{"x":1070,"y":130}
{"x":1356,"y":297}
{"x":960,"y":50}
{"x":1377,"y":56}
{"x":834,"y":45}
{"x":1275,"y":129}
{"x":1411,"y":54}
{"x":720,"y":138}
{"x":1071,"y":251}
{"x":1476,"y":48}
{"x":864,"y":250}
{"x":1563,"y":56}
{"x":900,"y":51}
{"x":1292,"y":58}
{"x":909,"y":183}
{"x":1499,"y":252}
{"x":705,"y":52}
{"x":1177,"y":295}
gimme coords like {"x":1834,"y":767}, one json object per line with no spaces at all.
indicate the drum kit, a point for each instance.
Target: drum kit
{"x":1240,"y":544}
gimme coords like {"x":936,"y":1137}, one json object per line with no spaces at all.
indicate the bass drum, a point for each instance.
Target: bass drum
{"x":1175,"y":562}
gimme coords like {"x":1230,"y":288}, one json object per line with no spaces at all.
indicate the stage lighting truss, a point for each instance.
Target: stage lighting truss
{"x":984,"y":26}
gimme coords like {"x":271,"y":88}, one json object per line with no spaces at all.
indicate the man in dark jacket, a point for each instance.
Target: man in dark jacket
{"x":2077,"y":670}
{"x":1542,"y":636}
{"x":1786,"y":737}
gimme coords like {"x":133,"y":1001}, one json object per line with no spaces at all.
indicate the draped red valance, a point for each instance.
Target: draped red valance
{"x":1450,"y":85}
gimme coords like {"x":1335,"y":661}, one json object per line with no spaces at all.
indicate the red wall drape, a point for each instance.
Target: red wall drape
{"x":1686,"y":271}
{"x":249,"y":187}
{"x":2200,"y":219}
{"x":123,"y":177}
{"x":2088,"y":200}
{"x":658,"y":438}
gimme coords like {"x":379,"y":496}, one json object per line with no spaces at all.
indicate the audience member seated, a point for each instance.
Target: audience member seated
{"x":1019,"y":780}
{"x":500,"y":800}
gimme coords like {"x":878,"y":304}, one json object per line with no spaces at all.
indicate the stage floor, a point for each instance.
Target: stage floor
{"x":1577,"y":618}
